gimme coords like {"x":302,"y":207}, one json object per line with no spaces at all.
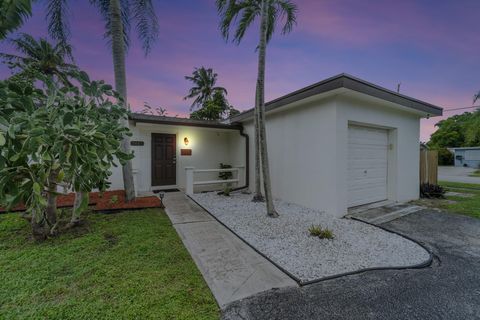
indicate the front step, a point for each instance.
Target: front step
{"x":379,"y":215}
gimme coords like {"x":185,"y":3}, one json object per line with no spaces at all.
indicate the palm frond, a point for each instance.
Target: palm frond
{"x":289,"y":13}
{"x":248,"y":12}
{"x":58,"y":25}
{"x":240,"y":14}
{"x":103,"y":7}
{"x":146,"y":23}
{"x":476,"y":97}
{"x":13,"y":15}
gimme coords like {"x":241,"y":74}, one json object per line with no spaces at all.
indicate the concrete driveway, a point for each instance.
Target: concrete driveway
{"x":457,"y":174}
{"x":448,"y":289}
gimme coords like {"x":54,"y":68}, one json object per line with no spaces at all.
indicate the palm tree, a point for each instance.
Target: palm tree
{"x":240,"y":14}
{"x":204,"y":81}
{"x":12,"y":15}
{"x":117,"y":15}
{"x":40,"y":56}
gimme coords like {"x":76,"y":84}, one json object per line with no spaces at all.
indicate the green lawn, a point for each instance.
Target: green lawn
{"x":129,"y":265}
{"x":467,"y":206}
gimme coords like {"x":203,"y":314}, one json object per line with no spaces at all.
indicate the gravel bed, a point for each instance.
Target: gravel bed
{"x":287,"y":242}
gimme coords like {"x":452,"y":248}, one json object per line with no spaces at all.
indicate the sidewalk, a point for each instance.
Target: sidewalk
{"x":231,"y":268}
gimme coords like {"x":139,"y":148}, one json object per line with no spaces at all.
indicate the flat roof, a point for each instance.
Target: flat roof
{"x":465,"y":148}
{"x":347,"y":81}
{"x":148,"y":118}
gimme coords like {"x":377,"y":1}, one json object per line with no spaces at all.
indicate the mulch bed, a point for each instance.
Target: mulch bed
{"x":104,"y":201}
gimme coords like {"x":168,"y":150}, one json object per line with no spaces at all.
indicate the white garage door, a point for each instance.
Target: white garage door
{"x":367,"y":165}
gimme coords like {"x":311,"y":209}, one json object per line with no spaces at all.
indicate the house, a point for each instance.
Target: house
{"x":466,"y":157}
{"x":339,"y":143}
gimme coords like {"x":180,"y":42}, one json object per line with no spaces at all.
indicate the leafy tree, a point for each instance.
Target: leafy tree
{"x":40,"y":56}
{"x":54,"y":134}
{"x":13,"y":14}
{"x":456,"y":131}
{"x":216,"y":108}
{"x":240,"y":14}
{"x":117,"y":15}
{"x":203,"y":90}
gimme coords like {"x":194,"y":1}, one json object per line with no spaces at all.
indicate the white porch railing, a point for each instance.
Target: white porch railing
{"x":191,"y":182}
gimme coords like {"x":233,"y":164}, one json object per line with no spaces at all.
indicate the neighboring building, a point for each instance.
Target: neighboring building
{"x":337,"y":144}
{"x":466,"y":157}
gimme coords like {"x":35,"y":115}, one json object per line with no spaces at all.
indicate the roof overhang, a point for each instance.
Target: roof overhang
{"x":347,"y":83}
{"x":174,"y":121}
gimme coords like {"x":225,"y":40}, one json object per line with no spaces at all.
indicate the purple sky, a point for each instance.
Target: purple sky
{"x":431,"y":46}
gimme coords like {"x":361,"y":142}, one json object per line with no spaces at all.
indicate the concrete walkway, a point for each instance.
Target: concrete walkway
{"x":231,"y":268}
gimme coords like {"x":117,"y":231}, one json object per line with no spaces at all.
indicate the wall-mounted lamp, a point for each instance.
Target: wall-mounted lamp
{"x":185,"y":140}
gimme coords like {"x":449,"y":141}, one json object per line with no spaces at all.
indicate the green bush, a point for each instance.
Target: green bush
{"x":445,"y":157}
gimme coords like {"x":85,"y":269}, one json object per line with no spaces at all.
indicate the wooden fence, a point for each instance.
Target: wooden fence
{"x":429,"y":166}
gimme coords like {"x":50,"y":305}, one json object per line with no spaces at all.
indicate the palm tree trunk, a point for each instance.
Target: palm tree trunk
{"x":118,"y":53}
{"x":260,"y":101}
{"x":257,"y":197}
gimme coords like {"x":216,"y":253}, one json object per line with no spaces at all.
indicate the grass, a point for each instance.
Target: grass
{"x":476,"y":173}
{"x":469,"y":206}
{"x":322,"y":233}
{"x":129,"y":265}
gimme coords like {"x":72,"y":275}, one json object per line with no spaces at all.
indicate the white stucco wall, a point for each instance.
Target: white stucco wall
{"x":210,"y":147}
{"x":308,"y":147}
{"x":403,"y":154}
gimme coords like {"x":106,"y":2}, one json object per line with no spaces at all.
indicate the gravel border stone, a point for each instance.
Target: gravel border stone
{"x":287,"y":242}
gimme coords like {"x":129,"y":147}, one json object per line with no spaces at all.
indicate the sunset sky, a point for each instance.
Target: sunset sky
{"x":431,"y":46}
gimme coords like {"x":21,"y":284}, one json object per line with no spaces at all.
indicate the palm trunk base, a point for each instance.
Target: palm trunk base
{"x":273,"y":214}
{"x":258,"y":198}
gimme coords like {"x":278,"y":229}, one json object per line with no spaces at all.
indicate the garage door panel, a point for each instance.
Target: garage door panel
{"x":359,"y":175}
{"x":367,"y":165}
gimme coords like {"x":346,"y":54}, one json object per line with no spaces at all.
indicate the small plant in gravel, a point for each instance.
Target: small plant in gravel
{"x":227,"y":190}
{"x":114,"y":199}
{"x":322,"y":233}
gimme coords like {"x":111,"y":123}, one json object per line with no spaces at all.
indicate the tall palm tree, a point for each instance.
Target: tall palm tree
{"x":240,"y":14}
{"x":12,"y":15}
{"x":204,"y":81}
{"x":40,"y":56}
{"x":117,"y":15}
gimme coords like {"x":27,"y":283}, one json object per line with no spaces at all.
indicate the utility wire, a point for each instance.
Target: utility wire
{"x":464,"y":108}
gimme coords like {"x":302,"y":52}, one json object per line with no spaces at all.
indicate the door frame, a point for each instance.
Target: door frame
{"x":152,"y":163}
{"x":391,"y":158}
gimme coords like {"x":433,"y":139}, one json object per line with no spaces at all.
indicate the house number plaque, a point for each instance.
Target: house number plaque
{"x":137,"y":143}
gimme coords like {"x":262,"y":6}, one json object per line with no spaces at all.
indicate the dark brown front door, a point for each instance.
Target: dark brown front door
{"x":164,"y":169}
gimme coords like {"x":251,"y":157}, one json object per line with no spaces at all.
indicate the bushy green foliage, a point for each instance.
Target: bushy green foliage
{"x":51,"y":134}
{"x":12,"y":15}
{"x":225,"y":175}
{"x":445,"y":157}
{"x":457,"y":131}
{"x":216,"y":108}
{"x":320,"y":232}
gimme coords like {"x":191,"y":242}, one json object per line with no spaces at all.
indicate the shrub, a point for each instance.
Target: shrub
{"x":322,"y":233}
{"x":225,"y":175}
{"x":445,"y":157}
{"x":428,"y":190}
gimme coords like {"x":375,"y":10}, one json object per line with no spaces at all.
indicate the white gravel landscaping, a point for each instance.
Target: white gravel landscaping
{"x":287,"y":242}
